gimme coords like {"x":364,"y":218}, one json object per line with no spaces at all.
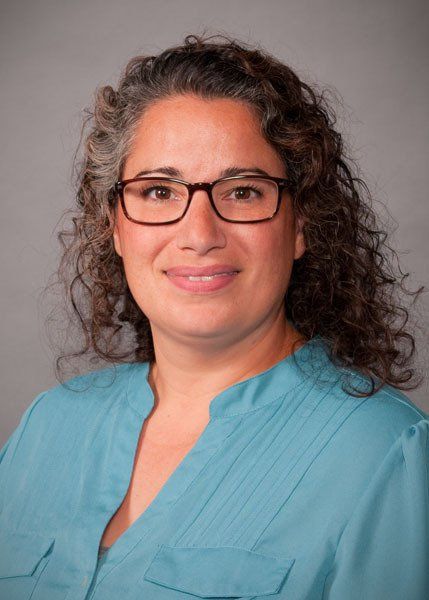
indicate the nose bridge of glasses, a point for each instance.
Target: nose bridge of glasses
{"x":200,"y":186}
{"x":205,"y":204}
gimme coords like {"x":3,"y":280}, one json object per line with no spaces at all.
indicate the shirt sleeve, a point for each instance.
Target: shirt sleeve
{"x":383,"y":551}
{"x":9,"y":448}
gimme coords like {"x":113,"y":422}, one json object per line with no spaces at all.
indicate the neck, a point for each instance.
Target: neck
{"x":184,"y":379}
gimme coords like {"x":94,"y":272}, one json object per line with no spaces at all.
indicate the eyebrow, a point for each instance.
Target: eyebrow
{"x":229,"y":172}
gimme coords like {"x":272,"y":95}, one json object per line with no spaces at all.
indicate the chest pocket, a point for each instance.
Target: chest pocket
{"x":23,"y":556}
{"x":218,"y":572}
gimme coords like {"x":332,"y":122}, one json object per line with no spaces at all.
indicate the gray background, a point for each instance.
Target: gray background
{"x":54,"y":54}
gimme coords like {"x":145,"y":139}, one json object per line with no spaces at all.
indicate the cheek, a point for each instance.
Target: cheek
{"x":136,"y":245}
{"x":271,"y":252}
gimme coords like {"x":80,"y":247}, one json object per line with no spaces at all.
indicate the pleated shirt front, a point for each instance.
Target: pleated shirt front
{"x":294,"y":490}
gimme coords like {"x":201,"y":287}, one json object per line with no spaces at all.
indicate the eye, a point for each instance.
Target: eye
{"x":245,"y":193}
{"x":161,"y":192}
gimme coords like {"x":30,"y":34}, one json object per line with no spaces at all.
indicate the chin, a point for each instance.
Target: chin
{"x":199,"y":326}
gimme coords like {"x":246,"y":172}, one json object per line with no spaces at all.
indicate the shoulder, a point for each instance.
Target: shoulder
{"x":339,"y":390}
{"x":68,"y":421}
{"x":68,"y":417}
{"x":375,"y":426}
{"x":88,"y":390}
{"x":357,"y":431}
{"x":387,"y":412}
{"x":78,"y":400}
{"x":375,"y":420}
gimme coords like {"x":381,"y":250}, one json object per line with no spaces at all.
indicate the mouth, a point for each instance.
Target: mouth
{"x":198,"y":273}
{"x":202,"y":277}
{"x":203,"y":284}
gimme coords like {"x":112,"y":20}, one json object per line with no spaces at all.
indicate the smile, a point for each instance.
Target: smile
{"x":203,"y":284}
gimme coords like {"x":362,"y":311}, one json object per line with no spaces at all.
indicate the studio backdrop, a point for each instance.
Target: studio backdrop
{"x":372,"y":55}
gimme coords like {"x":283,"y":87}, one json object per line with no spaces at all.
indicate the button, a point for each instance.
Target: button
{"x":412,"y":430}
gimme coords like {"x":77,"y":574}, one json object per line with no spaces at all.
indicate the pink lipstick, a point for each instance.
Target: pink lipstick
{"x":202,"y":280}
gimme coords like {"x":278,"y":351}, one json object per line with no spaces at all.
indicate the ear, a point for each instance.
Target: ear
{"x":299,"y":238}
{"x":116,"y":234}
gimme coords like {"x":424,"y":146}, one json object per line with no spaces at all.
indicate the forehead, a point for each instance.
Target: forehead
{"x":203,"y":134}
{"x":215,"y":111}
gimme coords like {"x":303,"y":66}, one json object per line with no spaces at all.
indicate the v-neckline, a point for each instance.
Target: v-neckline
{"x":174,"y":487}
{"x":102,"y":548}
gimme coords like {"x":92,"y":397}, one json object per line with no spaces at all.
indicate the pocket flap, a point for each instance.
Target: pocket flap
{"x":20,"y":553}
{"x":218,"y":571}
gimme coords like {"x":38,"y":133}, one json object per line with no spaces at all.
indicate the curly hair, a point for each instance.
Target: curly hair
{"x":344,"y":287}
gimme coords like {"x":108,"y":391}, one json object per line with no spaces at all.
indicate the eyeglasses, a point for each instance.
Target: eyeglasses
{"x":238,"y":199}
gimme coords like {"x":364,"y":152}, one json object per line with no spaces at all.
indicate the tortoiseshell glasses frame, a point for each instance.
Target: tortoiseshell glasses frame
{"x":280,"y":182}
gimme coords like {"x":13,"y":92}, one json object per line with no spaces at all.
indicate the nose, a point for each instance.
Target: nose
{"x":200,"y":229}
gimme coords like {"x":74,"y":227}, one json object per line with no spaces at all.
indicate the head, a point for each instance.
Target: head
{"x":200,"y":139}
{"x":201,"y":108}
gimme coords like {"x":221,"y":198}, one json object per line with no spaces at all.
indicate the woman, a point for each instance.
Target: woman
{"x":251,"y":438}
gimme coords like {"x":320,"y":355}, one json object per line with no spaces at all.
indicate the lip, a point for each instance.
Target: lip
{"x":179,"y":277}
{"x":184,"y":270}
{"x":202,"y":287}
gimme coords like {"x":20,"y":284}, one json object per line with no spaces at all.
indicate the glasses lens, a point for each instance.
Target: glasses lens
{"x":155,"y":200}
{"x":246,"y":198}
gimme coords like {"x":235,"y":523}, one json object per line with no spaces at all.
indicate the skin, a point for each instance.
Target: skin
{"x":206,"y":343}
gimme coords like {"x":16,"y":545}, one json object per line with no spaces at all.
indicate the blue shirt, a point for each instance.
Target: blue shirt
{"x":294,"y":490}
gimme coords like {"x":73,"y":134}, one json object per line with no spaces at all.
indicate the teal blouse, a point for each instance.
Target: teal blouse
{"x":295,"y":490}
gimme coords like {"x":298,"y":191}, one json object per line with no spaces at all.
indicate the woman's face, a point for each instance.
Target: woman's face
{"x":200,"y":139}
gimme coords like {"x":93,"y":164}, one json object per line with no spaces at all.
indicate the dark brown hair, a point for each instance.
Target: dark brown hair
{"x":344,"y":288}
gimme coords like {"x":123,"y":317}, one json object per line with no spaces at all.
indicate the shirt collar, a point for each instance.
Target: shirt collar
{"x":309,"y":363}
